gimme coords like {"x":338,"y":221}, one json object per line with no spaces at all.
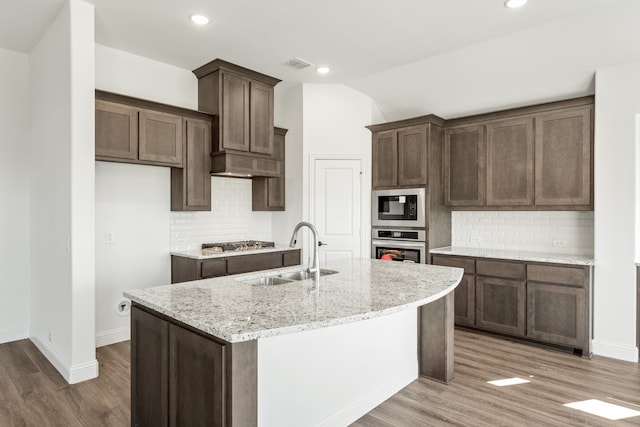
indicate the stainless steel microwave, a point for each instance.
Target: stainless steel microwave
{"x":398,"y":208}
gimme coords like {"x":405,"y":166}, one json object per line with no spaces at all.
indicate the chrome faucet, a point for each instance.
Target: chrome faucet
{"x":315,"y":265}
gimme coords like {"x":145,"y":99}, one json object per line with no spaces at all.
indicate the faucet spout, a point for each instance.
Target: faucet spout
{"x":315,"y":264}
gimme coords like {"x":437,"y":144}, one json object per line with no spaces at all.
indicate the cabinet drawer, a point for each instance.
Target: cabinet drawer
{"x":247,"y":263}
{"x":468,"y":264}
{"x":290,"y":258}
{"x":213,"y":268}
{"x":506,"y":269}
{"x":576,"y":276}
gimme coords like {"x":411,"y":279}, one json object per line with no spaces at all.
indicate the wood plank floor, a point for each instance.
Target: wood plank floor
{"x":556,"y":378}
{"x":32,"y":393}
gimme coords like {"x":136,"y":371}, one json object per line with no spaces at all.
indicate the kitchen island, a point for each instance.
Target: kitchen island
{"x":228,"y":351}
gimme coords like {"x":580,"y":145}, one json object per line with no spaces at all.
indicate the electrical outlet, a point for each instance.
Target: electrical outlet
{"x":109,"y":237}
{"x":474,"y":239}
{"x":559,"y":243}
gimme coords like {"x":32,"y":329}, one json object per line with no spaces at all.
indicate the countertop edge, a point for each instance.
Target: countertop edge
{"x":552,"y":258}
{"x":197,"y":254}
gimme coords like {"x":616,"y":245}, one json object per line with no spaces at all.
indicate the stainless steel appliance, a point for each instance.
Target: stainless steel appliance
{"x":399,"y":245}
{"x":403,"y":207}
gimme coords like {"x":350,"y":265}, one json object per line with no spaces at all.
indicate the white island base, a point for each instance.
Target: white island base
{"x":333,"y":376}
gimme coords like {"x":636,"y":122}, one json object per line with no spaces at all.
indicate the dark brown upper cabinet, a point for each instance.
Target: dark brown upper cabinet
{"x":268,"y":194}
{"x":534,"y":158}
{"x":133,"y":130}
{"x":464,"y":166}
{"x":131,"y":134}
{"x":243,"y":142}
{"x":191,"y":185}
{"x":510,"y":162}
{"x":564,"y":144}
{"x":400,"y":151}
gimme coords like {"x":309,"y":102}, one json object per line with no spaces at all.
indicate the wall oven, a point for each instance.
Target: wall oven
{"x":399,"y":245}
{"x":398,"y":208}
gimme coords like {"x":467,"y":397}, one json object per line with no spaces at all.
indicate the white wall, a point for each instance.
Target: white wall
{"x":524,"y":231}
{"x":14,"y":188}
{"x":132,"y":202}
{"x":616,"y":210}
{"x":61,"y":215}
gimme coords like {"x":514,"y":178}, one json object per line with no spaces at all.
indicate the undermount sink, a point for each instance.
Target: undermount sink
{"x":304,"y":274}
{"x":283,"y":278}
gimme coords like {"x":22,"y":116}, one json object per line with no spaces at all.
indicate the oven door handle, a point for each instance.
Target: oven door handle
{"x":400,"y":244}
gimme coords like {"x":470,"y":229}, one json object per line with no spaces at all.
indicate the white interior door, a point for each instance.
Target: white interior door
{"x":336,"y":199}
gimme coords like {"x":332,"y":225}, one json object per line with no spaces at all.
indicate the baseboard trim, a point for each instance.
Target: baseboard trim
{"x":112,"y":337}
{"x":74,"y":374}
{"x":615,"y":350}
{"x":372,"y":399}
{"x":14,"y":335}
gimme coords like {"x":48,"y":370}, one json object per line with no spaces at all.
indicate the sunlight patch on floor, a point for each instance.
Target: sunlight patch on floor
{"x":603,"y":409}
{"x":508,"y":381}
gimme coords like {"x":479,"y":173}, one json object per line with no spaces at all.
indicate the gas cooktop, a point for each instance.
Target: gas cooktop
{"x":244,"y":245}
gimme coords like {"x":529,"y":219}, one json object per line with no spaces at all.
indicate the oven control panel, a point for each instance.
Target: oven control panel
{"x":399,"y":234}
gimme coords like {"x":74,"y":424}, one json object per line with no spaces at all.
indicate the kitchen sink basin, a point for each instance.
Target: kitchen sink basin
{"x":268,"y":281}
{"x":286,"y":278}
{"x":304,"y":274}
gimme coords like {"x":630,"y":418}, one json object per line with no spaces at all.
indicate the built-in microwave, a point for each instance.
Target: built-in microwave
{"x":398,"y":208}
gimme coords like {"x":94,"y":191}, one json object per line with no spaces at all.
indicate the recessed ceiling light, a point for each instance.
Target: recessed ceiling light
{"x":199,"y":19}
{"x":323,"y":70}
{"x":512,"y":4}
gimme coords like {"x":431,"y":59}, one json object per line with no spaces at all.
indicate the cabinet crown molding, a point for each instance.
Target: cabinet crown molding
{"x":220,"y":64}
{"x":421,"y":120}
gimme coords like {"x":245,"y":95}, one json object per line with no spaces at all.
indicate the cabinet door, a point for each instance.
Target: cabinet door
{"x":464,"y":166}
{"x":385,"y":159}
{"x":500,"y":305}
{"x":213,"y":268}
{"x":196,"y":385}
{"x":197,"y":167}
{"x":510,"y":162}
{"x":268,"y":194}
{"x":261,"y":118}
{"x":412,"y":156}
{"x":235,"y":112}
{"x":557,"y":314}
{"x":116,"y":131}
{"x":149,"y":369}
{"x":465,"y":301}
{"x":160,"y":139}
{"x":247,"y":263}
{"x":563,"y":165}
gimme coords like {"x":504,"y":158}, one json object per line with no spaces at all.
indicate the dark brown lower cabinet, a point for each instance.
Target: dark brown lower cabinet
{"x":196,"y":369}
{"x":184,"y":269}
{"x":545,"y":302}
{"x":500,"y":305}
{"x":182,"y":377}
{"x":149,"y":369}
{"x":557,"y":314}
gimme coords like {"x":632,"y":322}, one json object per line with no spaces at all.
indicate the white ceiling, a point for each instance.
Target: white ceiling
{"x":367,"y":43}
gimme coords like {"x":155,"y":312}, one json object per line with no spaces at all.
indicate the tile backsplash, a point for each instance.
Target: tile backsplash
{"x":230,"y":218}
{"x":558,"y":232}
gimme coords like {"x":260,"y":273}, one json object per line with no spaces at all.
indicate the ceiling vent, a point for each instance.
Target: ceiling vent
{"x":298,"y":63}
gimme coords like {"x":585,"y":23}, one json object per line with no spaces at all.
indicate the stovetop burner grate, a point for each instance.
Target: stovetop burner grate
{"x":243,"y":245}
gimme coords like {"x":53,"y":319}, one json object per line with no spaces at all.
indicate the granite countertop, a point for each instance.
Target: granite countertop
{"x":363,"y":288}
{"x":198,"y":254}
{"x":548,"y":257}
